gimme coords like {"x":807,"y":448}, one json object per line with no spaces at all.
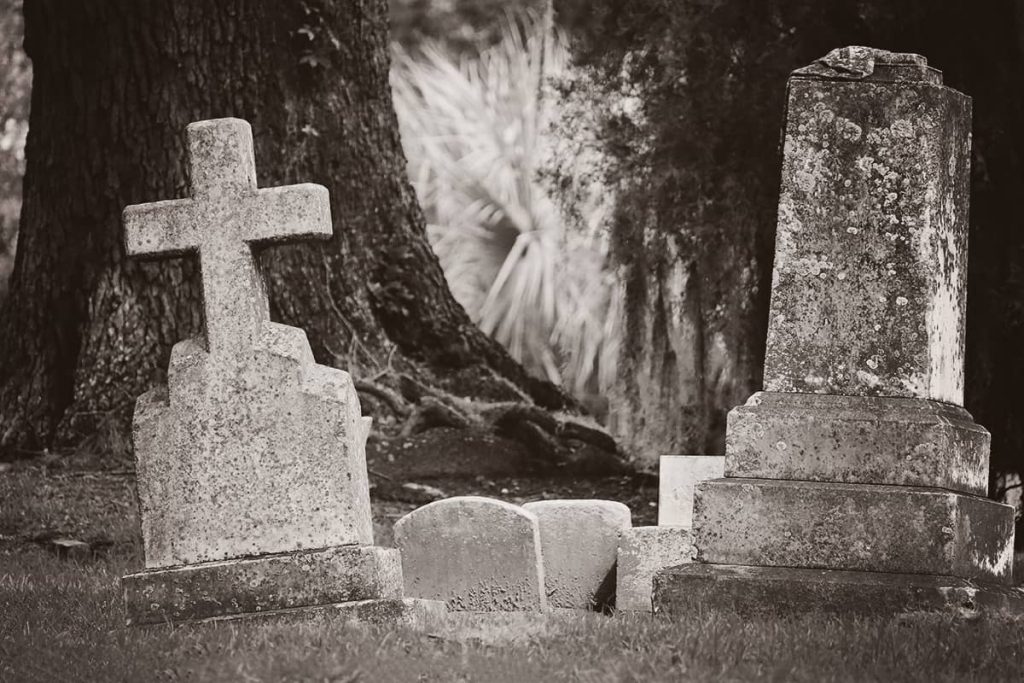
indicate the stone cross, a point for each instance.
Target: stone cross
{"x":225,"y":215}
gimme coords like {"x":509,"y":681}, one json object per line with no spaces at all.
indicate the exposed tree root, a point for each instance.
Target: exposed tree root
{"x":556,"y":439}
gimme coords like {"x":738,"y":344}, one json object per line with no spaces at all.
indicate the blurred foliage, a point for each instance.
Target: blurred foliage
{"x":476,"y":130}
{"x":711,"y":77}
{"x":15,"y":87}
{"x":461,"y":26}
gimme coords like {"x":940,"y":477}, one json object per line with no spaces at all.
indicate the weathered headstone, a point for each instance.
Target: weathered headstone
{"x":677,"y":477}
{"x":854,"y":483}
{"x":579,"y":541}
{"x":251,"y":463}
{"x":476,"y":554}
{"x":644,"y":551}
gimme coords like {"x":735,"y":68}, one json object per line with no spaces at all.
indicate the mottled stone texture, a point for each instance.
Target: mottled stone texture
{"x":262,"y":584}
{"x":476,"y":554}
{"x":579,"y":540}
{"x":856,"y":478}
{"x":262,"y":454}
{"x":643,"y":551}
{"x":677,"y":477}
{"x":893,"y":529}
{"x":224,"y":217}
{"x":870,"y":262}
{"x":785,"y":591}
{"x":251,"y":463}
{"x":855,"y":439}
{"x":252,"y":448}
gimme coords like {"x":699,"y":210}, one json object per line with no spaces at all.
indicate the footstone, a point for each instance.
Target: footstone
{"x":677,"y":477}
{"x":854,"y":527}
{"x":643,"y":551}
{"x":474,"y":553}
{"x":251,"y":464}
{"x":855,"y":439}
{"x":784,"y":591}
{"x":579,"y":540}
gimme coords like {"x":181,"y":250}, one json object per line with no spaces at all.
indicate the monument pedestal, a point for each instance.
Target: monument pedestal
{"x":785,"y":591}
{"x":363,"y":582}
{"x":856,"y":483}
{"x":857,"y":439}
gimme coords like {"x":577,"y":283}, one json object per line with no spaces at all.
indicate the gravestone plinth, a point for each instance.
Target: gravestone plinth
{"x":250,"y":463}
{"x":857,"y":472}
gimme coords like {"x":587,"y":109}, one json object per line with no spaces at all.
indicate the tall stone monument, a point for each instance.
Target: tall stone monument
{"x":251,"y":463}
{"x":855,"y":482}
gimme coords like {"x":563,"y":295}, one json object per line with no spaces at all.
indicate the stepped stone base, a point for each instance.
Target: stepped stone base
{"x":784,"y":591}
{"x":857,"y":439}
{"x":269,"y":583}
{"x":855,"y":527}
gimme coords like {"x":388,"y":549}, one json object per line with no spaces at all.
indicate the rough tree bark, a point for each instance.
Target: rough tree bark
{"x":84,"y":331}
{"x":695,"y":227}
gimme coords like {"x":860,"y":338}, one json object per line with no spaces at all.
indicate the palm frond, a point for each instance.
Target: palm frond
{"x":474,"y":132}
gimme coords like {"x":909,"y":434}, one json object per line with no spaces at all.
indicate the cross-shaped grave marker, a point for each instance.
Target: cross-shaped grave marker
{"x":225,"y":215}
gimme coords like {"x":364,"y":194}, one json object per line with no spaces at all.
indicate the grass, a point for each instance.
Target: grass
{"x":61,"y":619}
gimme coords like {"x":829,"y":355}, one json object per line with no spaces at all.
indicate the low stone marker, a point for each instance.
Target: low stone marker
{"x":643,"y":551}
{"x":579,"y":541}
{"x":476,"y":554}
{"x":677,"y":477}
{"x":251,"y":463}
{"x":855,"y":483}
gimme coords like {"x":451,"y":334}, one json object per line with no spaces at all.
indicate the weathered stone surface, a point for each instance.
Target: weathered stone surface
{"x":579,"y":540}
{"x":784,"y":591}
{"x":868,"y":440}
{"x":643,"y":551}
{"x":677,"y":476}
{"x":868,"y":284}
{"x":224,"y":216}
{"x":853,"y":527}
{"x":252,"y":448}
{"x":829,"y":499}
{"x":474,"y":553}
{"x":267,"y":459}
{"x":262,"y":584}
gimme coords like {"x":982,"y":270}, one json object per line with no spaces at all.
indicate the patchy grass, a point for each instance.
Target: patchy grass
{"x":62,"y":619}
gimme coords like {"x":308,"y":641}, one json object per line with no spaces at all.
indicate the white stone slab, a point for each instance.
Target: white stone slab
{"x":476,"y":554}
{"x":643,"y":551}
{"x":678,"y":476}
{"x":579,"y":541}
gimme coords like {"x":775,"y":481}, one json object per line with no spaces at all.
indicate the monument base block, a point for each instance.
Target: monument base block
{"x":784,"y":591}
{"x":857,"y":440}
{"x":346,"y":577}
{"x":853,"y":527}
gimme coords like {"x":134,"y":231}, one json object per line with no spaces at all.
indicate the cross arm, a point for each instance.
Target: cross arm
{"x":281,"y":213}
{"x":169,"y":227}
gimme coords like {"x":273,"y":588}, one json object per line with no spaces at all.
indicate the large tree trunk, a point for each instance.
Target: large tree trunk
{"x":696,"y":217}
{"x":84,"y":331}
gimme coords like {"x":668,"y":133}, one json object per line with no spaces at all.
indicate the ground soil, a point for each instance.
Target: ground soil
{"x":43,"y":502}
